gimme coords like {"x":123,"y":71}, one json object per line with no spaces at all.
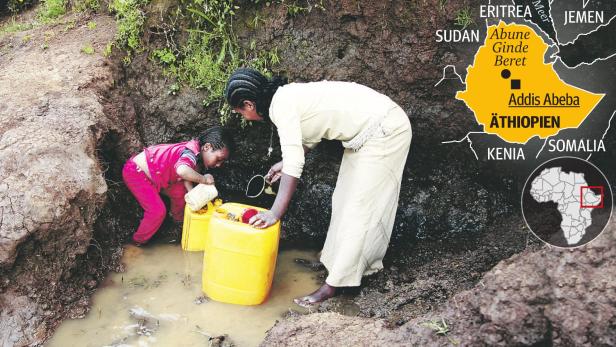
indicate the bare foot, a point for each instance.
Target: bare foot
{"x":325,"y":292}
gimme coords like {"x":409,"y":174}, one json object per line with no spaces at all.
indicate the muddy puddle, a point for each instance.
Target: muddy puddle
{"x":158,"y":302}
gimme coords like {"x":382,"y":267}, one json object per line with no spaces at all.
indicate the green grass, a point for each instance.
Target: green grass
{"x":86,"y":5}
{"x":51,"y":9}
{"x":174,"y":89}
{"x":71,"y":24}
{"x":440,"y":328}
{"x":464,"y":18}
{"x":47,"y":13}
{"x":87,"y":49}
{"x":210,"y":53}
{"x":295,"y":7}
{"x":206,"y":68}
{"x":14,"y":27}
{"x":164,"y":56}
{"x":442,"y":4}
{"x":108,"y":49}
{"x":130,"y":18}
{"x":15,"y":6}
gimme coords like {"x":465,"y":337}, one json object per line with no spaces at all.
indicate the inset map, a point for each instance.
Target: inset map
{"x":567,"y":202}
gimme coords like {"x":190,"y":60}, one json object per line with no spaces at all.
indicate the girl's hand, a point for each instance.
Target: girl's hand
{"x":263,"y":219}
{"x":188,"y":185}
{"x":207,"y":179}
{"x":274,"y":173}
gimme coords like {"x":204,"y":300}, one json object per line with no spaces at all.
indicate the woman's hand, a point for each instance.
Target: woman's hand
{"x":263,"y":219}
{"x":207,"y":179}
{"x":274,"y":173}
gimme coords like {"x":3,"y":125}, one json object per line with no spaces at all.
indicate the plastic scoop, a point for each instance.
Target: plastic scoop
{"x":200,"y":195}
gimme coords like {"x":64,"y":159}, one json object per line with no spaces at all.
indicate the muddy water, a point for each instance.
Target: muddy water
{"x":158,"y":302}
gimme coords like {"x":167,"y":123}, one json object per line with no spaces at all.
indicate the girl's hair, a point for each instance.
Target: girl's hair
{"x":218,"y":137}
{"x":246,"y":84}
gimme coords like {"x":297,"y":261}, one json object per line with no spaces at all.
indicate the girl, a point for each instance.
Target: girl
{"x":172,"y":169}
{"x":376,"y":134}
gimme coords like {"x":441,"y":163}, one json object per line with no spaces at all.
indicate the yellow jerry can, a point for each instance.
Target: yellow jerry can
{"x":196,"y":225}
{"x":239,"y":260}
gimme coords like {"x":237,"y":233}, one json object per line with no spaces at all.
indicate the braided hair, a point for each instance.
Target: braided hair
{"x":246,"y":84}
{"x":218,"y":137}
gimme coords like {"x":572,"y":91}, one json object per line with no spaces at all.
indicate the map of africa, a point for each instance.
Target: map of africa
{"x":567,"y":190}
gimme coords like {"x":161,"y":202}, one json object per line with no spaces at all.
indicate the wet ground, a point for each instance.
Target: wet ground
{"x":158,"y":302}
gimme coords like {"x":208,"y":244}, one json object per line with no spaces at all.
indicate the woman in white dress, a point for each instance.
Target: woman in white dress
{"x":376,"y":134}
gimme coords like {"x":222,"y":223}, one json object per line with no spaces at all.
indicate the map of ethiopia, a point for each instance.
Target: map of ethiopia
{"x":567,"y":190}
{"x":514,"y":94}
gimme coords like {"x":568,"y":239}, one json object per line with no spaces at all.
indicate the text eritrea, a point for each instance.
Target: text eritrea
{"x":504,"y":11}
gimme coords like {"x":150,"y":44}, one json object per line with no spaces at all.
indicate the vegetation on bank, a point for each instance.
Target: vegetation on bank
{"x":15,"y":6}
{"x":209,"y":49}
{"x":47,"y":12}
{"x":130,"y":17}
{"x":51,"y":9}
{"x":55,"y":7}
{"x":195,"y":42}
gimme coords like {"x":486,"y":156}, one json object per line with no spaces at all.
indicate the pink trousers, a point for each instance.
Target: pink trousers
{"x":149,"y":198}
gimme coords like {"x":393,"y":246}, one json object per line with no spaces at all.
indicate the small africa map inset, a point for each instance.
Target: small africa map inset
{"x":566,"y":189}
{"x":567,"y":205}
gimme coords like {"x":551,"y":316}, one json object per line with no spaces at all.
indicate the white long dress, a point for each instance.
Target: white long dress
{"x":377,"y":135}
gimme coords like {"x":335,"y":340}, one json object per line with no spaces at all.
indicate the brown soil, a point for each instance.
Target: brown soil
{"x":56,"y":115}
{"x":540,"y":297}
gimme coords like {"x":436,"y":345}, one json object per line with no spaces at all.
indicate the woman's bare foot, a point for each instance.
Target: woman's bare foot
{"x":325,"y":292}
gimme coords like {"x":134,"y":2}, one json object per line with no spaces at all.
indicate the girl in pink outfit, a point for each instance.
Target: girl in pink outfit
{"x":172,"y":169}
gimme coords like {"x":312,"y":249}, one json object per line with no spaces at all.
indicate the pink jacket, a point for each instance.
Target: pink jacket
{"x":164,"y":159}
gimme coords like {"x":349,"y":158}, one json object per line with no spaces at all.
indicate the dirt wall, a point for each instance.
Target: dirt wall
{"x":53,"y":122}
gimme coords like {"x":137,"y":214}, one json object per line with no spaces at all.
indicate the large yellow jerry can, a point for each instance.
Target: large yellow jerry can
{"x":196,"y":225}
{"x":239,"y":260}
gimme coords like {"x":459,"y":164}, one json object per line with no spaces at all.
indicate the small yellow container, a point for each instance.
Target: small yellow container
{"x":196,"y":225}
{"x":239,"y":260}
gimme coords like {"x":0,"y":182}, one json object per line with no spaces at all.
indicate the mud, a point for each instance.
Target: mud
{"x":158,"y":301}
